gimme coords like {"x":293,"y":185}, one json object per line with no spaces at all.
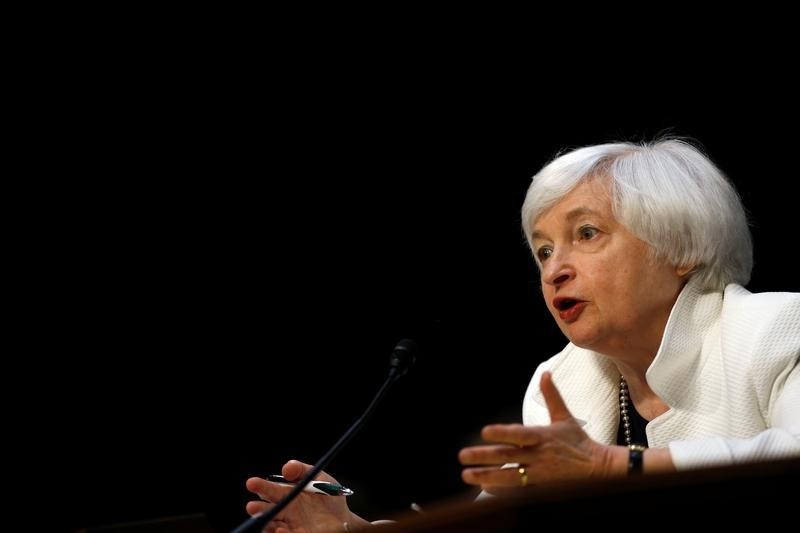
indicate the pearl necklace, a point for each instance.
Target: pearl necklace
{"x":635,"y":456}
{"x":624,"y":401}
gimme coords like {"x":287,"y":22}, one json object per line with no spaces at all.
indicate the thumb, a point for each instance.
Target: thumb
{"x":294,"y":470}
{"x":555,"y":404}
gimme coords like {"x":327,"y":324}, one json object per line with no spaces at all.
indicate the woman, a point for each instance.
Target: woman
{"x":643,"y":251}
{"x":671,"y":364}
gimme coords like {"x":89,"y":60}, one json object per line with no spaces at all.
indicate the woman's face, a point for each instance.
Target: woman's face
{"x":599,"y":281}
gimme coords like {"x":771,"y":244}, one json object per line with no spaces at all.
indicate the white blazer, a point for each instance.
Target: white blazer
{"x":727,"y":368}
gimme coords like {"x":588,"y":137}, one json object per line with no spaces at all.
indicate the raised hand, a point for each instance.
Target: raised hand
{"x":536,"y":454}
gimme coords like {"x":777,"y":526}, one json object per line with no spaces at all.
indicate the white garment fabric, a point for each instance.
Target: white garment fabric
{"x":727,"y":368}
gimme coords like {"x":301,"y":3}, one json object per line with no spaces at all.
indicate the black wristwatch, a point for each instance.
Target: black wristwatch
{"x":635,"y":467}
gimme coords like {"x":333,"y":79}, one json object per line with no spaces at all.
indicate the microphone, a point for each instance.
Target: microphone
{"x":403,"y":356}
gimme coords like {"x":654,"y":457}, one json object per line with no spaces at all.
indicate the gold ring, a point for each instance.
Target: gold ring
{"x":523,"y":476}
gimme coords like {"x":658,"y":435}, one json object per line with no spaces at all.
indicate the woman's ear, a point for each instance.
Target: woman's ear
{"x":682,"y":270}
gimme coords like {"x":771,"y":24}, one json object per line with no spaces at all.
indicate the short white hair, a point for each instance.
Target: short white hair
{"x":668,"y":194}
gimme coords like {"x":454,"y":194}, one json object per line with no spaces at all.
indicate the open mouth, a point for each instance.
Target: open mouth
{"x":569,"y":309}
{"x":565,"y":304}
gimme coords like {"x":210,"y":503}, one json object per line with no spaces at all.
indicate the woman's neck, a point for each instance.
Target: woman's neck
{"x":646,"y":402}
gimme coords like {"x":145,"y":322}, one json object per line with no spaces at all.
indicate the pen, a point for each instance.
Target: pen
{"x":319,"y":487}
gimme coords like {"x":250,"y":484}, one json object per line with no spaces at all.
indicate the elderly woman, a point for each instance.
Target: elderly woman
{"x":671,"y":364}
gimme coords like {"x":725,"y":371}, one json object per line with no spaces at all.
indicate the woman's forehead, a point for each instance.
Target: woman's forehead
{"x":588,"y":198}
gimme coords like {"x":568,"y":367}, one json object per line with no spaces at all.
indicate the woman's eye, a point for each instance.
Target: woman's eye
{"x":587,"y":232}
{"x":543,"y":253}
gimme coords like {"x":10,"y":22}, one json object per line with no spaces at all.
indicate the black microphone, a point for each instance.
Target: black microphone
{"x":403,"y":356}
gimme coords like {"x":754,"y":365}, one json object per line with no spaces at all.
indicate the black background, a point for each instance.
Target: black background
{"x":252,"y":238}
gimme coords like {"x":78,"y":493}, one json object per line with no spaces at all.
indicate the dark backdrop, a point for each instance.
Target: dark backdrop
{"x":226,"y":297}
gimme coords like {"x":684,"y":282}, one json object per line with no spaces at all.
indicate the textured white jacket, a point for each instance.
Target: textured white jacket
{"x":727,"y":368}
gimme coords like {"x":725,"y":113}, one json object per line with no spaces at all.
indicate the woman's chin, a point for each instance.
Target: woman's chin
{"x":582,"y":339}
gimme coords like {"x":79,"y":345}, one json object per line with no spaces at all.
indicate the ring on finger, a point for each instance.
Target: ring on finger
{"x":523,"y":476}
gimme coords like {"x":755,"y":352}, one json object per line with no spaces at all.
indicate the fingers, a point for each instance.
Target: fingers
{"x":294,"y":470}
{"x":278,"y":526}
{"x":516,"y":434}
{"x":555,"y":403}
{"x":257,"y":507}
{"x":491,"y":476}
{"x":489,"y":455}
{"x":267,"y":491}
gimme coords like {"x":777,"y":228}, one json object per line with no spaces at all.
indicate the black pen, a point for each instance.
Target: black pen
{"x":319,"y":487}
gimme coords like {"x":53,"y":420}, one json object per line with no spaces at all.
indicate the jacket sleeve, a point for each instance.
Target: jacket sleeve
{"x":781,"y":440}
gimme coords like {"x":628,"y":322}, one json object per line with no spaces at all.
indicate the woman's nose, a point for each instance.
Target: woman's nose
{"x":557,"y":270}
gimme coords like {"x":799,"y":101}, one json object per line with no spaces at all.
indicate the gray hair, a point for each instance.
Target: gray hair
{"x":665,"y":192}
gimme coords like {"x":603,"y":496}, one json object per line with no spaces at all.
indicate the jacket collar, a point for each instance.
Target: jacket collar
{"x":682,"y":352}
{"x":589,"y":381}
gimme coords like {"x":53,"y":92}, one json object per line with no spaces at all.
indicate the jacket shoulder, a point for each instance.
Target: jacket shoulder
{"x":763,"y":324}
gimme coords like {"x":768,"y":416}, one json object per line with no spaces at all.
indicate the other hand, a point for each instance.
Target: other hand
{"x":307,"y":513}
{"x":559,"y":451}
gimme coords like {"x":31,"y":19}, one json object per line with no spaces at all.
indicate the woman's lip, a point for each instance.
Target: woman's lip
{"x":571,"y":315}
{"x":557,"y":301}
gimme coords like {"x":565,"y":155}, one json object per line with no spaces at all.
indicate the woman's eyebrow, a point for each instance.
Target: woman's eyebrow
{"x":571,"y":215}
